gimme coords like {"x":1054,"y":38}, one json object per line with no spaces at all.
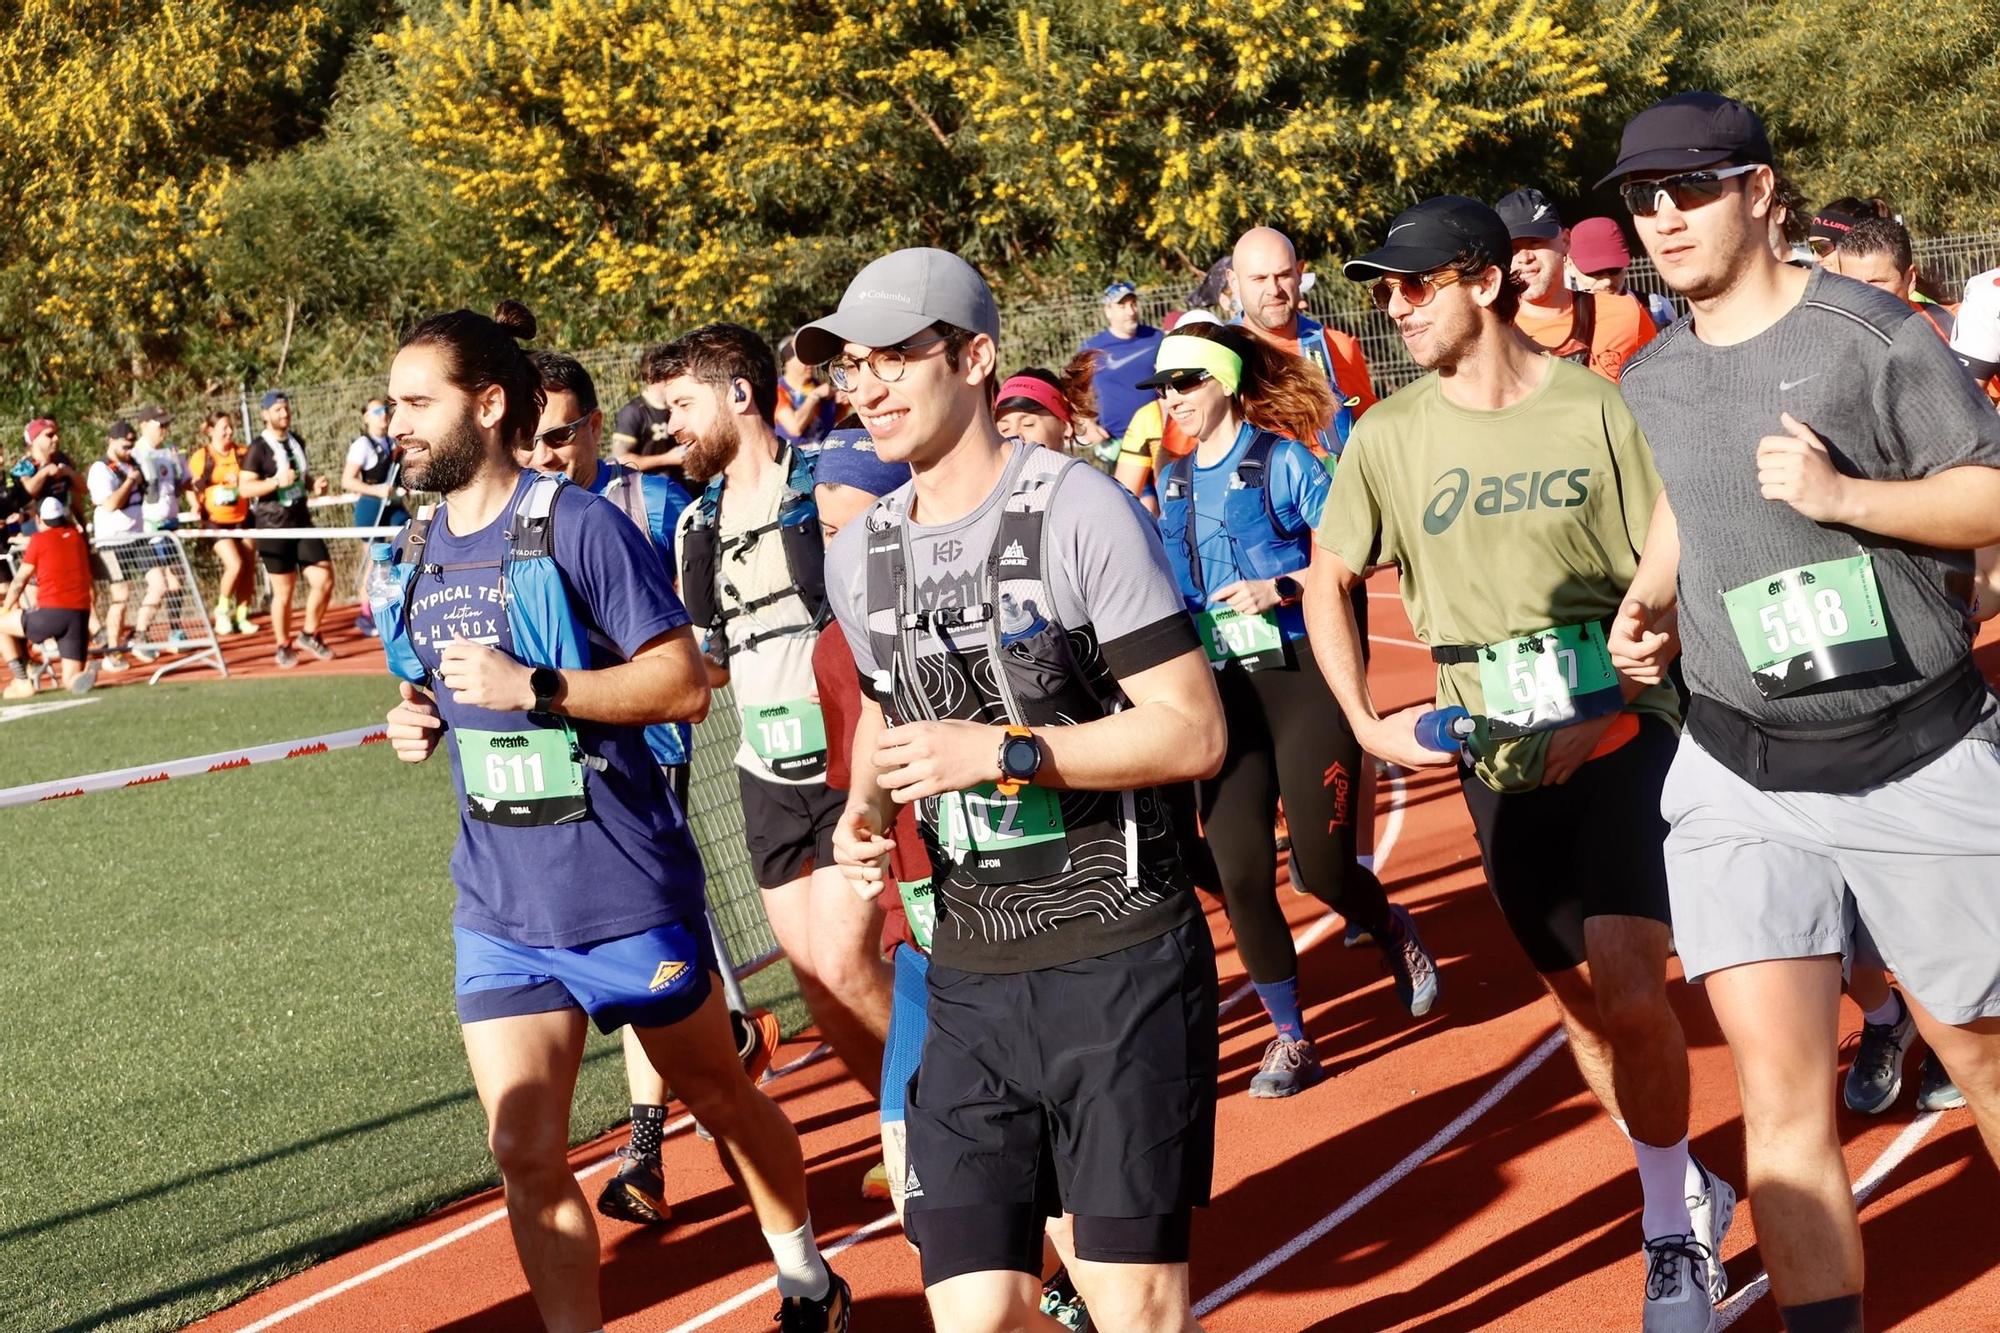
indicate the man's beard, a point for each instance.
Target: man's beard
{"x":452,"y":460}
{"x":1261,"y":315}
{"x":708,"y":454}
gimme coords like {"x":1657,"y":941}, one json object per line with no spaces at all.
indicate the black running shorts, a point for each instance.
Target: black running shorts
{"x":287,"y":555}
{"x":70,"y":630}
{"x":1088,"y":1087}
{"x":1590,"y":847}
{"x":788,"y":829}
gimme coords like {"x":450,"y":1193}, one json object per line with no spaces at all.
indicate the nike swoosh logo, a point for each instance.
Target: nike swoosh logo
{"x":1786,"y":386}
{"x":1114,"y":362}
{"x":1394,"y":230}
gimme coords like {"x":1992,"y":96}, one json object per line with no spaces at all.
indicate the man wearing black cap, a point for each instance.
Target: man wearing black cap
{"x":1599,"y":330}
{"x":1012,"y":614}
{"x":1513,"y":490}
{"x":276,"y":481}
{"x":1829,"y":467}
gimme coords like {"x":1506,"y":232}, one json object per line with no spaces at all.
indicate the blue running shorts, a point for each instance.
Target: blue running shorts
{"x":652,"y":979}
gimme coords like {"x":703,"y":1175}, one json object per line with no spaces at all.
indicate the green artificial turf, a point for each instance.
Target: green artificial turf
{"x":226,"y":1025}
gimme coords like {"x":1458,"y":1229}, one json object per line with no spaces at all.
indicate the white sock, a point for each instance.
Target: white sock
{"x":1890,"y":1011}
{"x":801,"y":1272}
{"x":1366,"y":860}
{"x":1663,"y":1175}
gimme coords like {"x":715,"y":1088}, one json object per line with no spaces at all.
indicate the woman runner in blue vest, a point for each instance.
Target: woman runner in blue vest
{"x":1237,"y":517}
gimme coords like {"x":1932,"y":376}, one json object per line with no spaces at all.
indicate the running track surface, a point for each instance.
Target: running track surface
{"x":1453,"y":1176}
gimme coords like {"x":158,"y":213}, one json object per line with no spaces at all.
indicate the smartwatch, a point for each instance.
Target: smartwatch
{"x":547,"y":683}
{"x":1020,"y":760}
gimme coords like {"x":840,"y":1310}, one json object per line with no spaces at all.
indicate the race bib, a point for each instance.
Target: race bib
{"x":522,"y":778}
{"x":919,"y":909}
{"x":1227,"y":635}
{"x":1809,"y":625}
{"x":1003,"y":839}
{"x":1547,"y":679}
{"x":789,"y":737}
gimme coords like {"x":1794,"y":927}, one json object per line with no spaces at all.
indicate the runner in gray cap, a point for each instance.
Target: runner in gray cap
{"x":1032,"y":678}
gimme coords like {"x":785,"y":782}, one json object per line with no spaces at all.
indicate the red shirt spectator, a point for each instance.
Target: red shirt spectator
{"x":61,"y":559}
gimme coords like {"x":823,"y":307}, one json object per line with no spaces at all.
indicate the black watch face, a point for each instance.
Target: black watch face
{"x":545,"y":683}
{"x":1022,"y":757}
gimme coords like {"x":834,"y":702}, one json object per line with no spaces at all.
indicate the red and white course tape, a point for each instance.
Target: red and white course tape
{"x":145,"y":774}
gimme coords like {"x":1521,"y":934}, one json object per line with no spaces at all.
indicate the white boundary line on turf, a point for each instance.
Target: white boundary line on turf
{"x":1318,"y":1231}
{"x":1739,"y":1302}
{"x":770,"y":1284}
{"x":488,"y":1218}
{"x":1385,"y":842}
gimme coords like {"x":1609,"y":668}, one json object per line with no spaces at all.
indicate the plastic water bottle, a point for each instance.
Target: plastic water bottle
{"x":1445,"y":729}
{"x":383,"y":591}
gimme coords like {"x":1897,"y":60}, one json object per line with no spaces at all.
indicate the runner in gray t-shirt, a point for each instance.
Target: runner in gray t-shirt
{"x":1829,"y":468}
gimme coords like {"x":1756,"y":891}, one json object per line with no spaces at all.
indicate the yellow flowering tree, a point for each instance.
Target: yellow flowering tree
{"x":699,"y":157}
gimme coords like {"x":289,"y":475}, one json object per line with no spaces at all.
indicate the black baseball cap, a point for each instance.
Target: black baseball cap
{"x":1529,"y":215}
{"x":1433,"y":234}
{"x":1689,"y":131}
{"x":121,"y":430}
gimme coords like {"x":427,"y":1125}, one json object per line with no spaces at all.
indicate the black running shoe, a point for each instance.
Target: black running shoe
{"x":828,"y":1314}
{"x":638,"y":1193}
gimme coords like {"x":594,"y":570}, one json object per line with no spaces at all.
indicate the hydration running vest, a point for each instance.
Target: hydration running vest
{"x":546,"y":630}
{"x":703,"y":549}
{"x":1313,"y":347}
{"x":1012,"y":867}
{"x":1263,"y":548}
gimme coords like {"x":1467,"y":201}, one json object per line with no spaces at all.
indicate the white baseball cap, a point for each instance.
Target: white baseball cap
{"x":53,"y":510}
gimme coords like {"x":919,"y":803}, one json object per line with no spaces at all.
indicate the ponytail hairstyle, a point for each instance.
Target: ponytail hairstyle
{"x":1280,"y":392}
{"x":1072,"y":386}
{"x":480,"y":351}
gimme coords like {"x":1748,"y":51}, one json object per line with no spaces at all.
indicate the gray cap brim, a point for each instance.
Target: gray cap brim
{"x":824,"y":339}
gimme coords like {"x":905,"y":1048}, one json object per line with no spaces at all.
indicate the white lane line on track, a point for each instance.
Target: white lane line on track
{"x":1399,"y":643}
{"x":487,"y":1219}
{"x":1385,"y":842}
{"x":1318,"y":1231}
{"x":770,"y":1284}
{"x":1905,"y":1143}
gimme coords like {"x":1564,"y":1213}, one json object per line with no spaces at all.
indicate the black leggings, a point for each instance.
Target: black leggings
{"x":1287,"y":737}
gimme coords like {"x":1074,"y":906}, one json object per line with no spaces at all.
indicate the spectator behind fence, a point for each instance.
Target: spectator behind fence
{"x":276,"y":480}
{"x":1125,"y":356}
{"x":57,"y":564}
{"x":216,"y":472}
{"x":1600,"y":263}
{"x":374,"y":463}
{"x":806,"y":408}
{"x":47,"y":472}
{"x":118,"y":490}
{"x":165,"y":471}
{"x":639,"y":435}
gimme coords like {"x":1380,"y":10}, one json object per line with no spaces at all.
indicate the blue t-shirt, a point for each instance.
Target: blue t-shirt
{"x":672,"y":742}
{"x":1125,"y":362}
{"x":630,"y":864}
{"x":1299,"y":483}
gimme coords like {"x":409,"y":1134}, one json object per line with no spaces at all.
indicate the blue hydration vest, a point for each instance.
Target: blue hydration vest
{"x":1263,"y":548}
{"x":546,"y":630}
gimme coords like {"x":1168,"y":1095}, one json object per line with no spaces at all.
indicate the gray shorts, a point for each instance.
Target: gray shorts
{"x":1760,"y":875}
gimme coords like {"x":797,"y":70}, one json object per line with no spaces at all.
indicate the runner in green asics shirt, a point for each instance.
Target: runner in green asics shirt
{"x":1513,"y":490}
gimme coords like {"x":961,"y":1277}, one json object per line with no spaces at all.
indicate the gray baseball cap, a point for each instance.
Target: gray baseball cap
{"x":896,"y":298}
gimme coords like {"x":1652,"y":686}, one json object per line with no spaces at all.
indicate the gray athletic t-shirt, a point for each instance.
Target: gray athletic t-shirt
{"x":1871,"y":377}
{"x":1111,"y":587}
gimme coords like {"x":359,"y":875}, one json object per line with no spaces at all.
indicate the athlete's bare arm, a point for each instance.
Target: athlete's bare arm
{"x":1172,"y":733}
{"x":1642,"y":640}
{"x":1336,"y":645}
{"x":862,"y":837}
{"x":1957,"y":509}
{"x":664,"y":682}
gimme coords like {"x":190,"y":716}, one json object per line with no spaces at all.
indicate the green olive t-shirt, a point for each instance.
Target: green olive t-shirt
{"x":1503,"y":523}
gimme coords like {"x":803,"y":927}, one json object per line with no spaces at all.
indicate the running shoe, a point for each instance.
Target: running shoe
{"x":875,"y":1185}
{"x":145,"y":654}
{"x":314,"y":646}
{"x":1710,"y":1213}
{"x":1876,"y":1076}
{"x":1935,"y":1089}
{"x":285,"y":658}
{"x":1356,"y":935}
{"x":1061,"y":1303}
{"x":243,"y":621}
{"x":828,"y":1314}
{"x":223,"y":626}
{"x":1677,"y":1299}
{"x":114,"y":663}
{"x":18,"y":689}
{"x":638,"y":1193}
{"x":85,"y":682}
{"x":1289,"y":1068}
{"x":757,"y":1037}
{"x":1412,"y":966}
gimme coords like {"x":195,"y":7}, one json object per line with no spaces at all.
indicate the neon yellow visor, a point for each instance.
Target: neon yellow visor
{"x":1180,"y":354}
